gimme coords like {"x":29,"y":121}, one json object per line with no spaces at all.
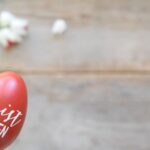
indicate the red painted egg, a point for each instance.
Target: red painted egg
{"x":13,"y":107}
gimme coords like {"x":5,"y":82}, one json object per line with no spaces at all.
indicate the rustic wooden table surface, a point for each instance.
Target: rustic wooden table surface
{"x":88,"y":89}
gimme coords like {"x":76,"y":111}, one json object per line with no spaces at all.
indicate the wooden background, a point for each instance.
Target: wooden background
{"x":88,"y":89}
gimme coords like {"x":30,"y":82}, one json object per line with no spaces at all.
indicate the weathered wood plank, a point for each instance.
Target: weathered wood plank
{"x":84,"y":47}
{"x":103,"y":35}
{"x":87,"y":112}
{"x":102,"y":10}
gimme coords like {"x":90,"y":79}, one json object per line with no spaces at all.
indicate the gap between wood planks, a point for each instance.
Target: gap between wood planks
{"x":82,"y":72}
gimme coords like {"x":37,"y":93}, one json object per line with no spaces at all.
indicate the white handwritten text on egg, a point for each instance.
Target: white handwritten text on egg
{"x":10,"y":118}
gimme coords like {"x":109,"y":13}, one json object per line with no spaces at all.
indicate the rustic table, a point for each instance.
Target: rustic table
{"x":88,"y":89}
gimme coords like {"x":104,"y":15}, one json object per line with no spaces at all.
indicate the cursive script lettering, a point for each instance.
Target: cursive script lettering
{"x":10,"y":118}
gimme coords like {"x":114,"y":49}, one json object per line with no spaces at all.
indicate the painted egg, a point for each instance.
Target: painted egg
{"x":13,"y":107}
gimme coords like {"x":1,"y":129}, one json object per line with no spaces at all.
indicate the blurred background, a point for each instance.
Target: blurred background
{"x":89,"y":89}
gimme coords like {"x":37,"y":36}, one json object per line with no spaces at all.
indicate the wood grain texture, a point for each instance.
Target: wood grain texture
{"x":100,"y":10}
{"x":102,"y":36}
{"x":84,"y":111}
{"x":83,"y":47}
{"x":87,"y":112}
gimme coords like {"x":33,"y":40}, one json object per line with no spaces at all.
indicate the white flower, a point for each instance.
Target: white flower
{"x":12,"y":29}
{"x":59,"y":27}
{"x":6,"y":18}
{"x":9,"y":38}
{"x":19,"y":26}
